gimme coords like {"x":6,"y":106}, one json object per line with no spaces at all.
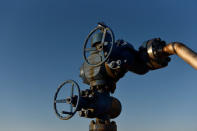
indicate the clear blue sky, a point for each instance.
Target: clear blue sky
{"x":41,"y":46}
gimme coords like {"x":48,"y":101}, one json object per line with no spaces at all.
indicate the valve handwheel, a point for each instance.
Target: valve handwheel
{"x":73,"y":100}
{"x":104,"y":57}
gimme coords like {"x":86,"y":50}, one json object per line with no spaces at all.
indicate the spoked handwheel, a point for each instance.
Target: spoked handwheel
{"x":72,"y":100}
{"x":104,"y":57}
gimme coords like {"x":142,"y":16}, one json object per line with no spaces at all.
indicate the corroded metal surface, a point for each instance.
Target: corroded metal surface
{"x":108,"y":61}
{"x":102,"y":126}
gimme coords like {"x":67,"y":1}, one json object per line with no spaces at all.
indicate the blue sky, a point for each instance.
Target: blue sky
{"x":41,"y":46}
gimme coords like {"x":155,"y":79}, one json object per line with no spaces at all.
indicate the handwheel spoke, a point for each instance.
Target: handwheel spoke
{"x":71,"y":108}
{"x":90,"y":49}
{"x":61,"y":101}
{"x":71,"y":95}
{"x":101,"y":55}
{"x":72,"y":91}
{"x":65,"y":112}
{"x":103,"y":38}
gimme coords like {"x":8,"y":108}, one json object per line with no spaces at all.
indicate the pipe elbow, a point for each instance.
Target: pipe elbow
{"x":184,"y":52}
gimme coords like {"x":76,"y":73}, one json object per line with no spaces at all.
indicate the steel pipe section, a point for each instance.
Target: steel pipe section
{"x":184,"y":52}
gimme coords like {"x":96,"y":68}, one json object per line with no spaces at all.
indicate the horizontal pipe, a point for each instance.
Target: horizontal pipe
{"x":183,"y":52}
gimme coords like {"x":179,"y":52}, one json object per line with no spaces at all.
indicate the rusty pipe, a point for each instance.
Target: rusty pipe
{"x":183,"y":52}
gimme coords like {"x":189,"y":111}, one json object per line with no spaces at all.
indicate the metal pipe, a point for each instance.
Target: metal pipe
{"x":183,"y":52}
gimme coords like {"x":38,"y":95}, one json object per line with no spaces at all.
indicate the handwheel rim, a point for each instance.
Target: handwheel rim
{"x":55,"y":97}
{"x":86,"y":42}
